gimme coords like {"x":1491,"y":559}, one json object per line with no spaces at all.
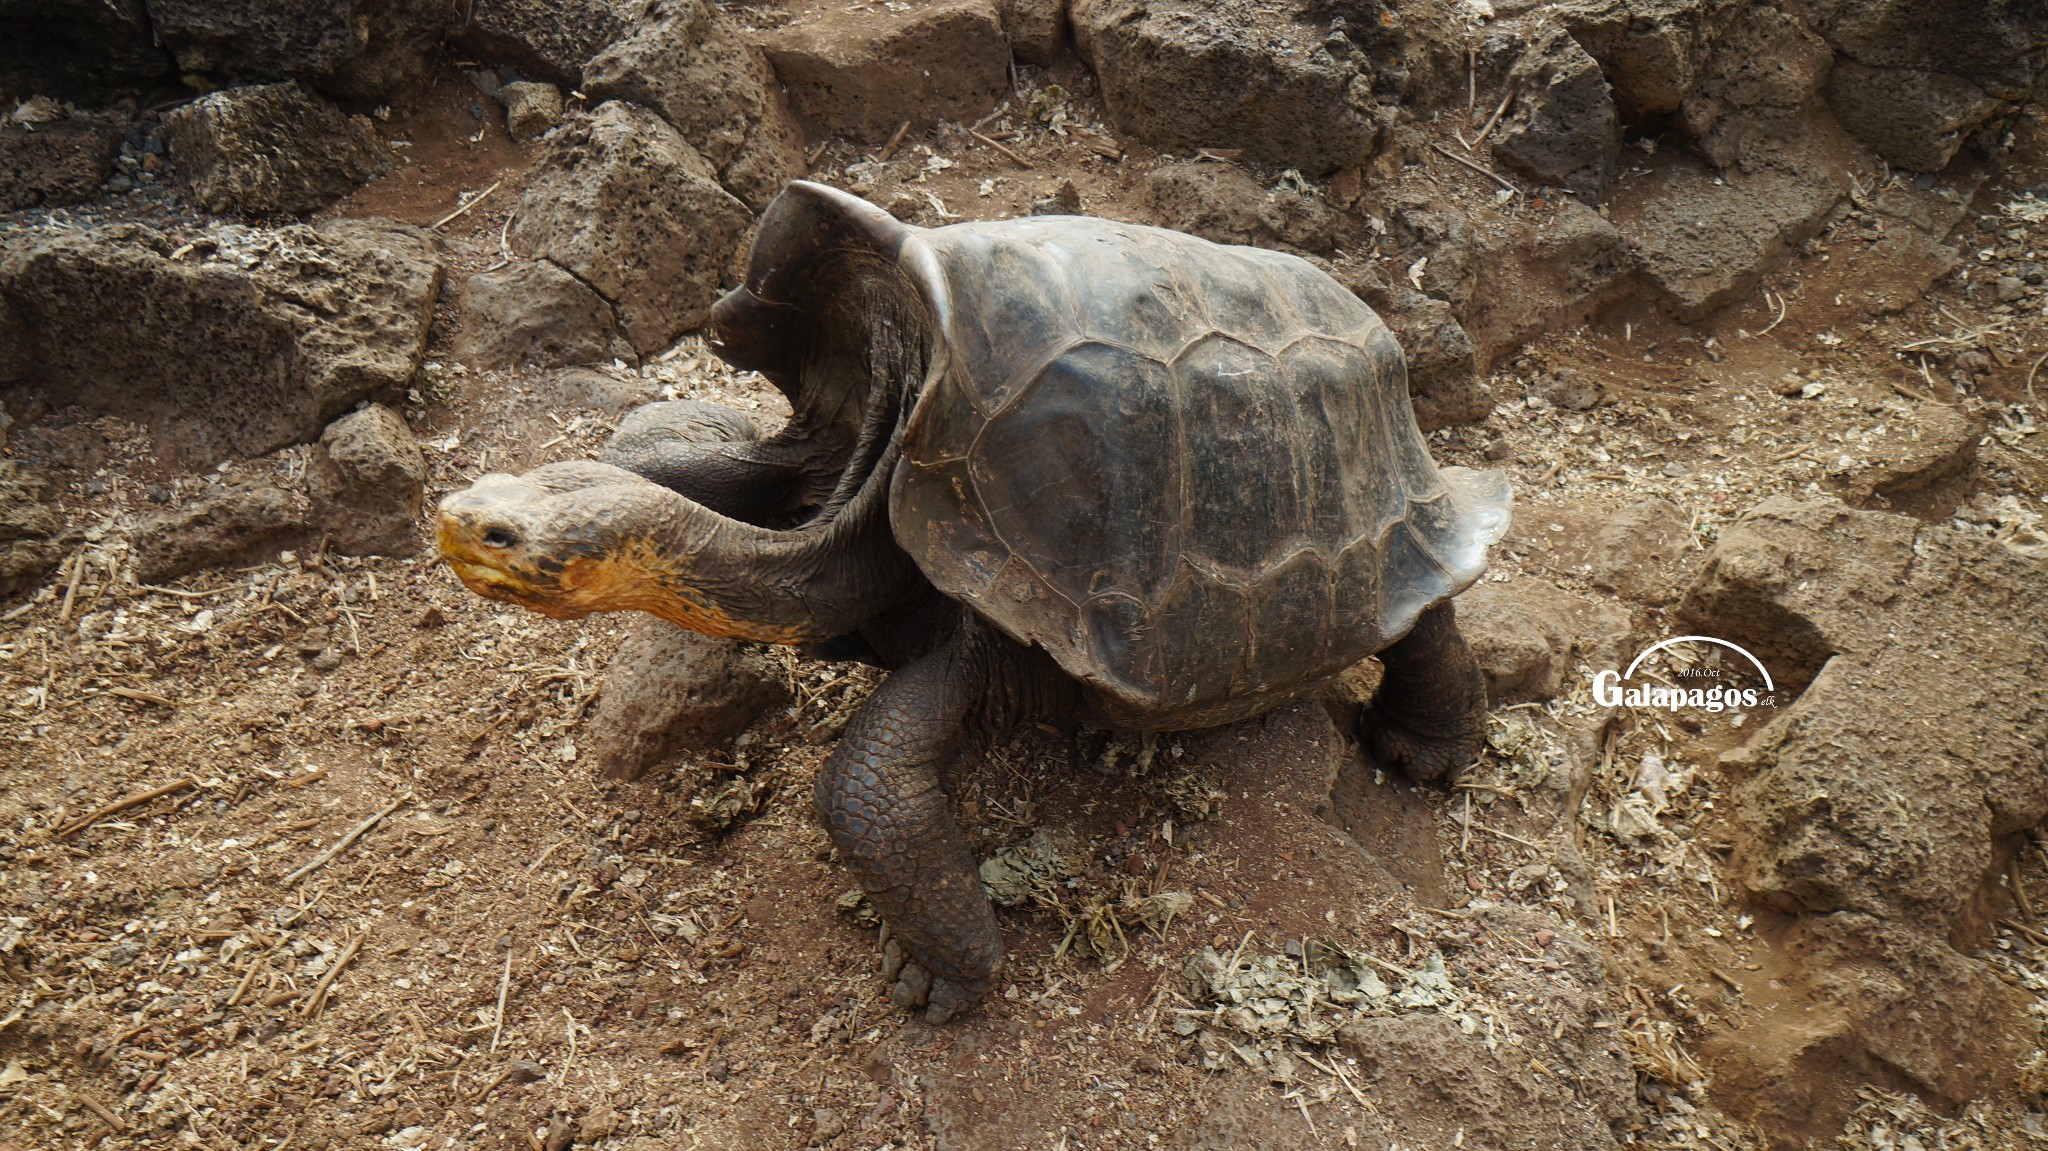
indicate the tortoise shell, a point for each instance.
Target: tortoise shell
{"x":1189,"y":472}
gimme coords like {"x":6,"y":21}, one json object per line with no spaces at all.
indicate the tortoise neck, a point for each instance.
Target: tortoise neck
{"x":865,"y":345}
{"x":818,"y":581}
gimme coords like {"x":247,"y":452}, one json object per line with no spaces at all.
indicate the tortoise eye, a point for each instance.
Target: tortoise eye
{"x":499,"y":538}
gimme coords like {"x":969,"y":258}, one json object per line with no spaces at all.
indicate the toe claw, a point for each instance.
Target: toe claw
{"x":947,"y":999}
{"x":913,"y":987}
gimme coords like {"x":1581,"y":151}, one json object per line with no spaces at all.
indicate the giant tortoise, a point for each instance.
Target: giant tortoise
{"x":1042,"y":467}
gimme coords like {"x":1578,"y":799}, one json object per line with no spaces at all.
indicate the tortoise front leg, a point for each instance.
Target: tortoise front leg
{"x":708,"y":452}
{"x":1428,"y":717}
{"x":879,"y":796}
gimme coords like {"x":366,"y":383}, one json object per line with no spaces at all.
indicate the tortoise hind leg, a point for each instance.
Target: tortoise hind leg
{"x":880,"y":798}
{"x":1429,"y":715}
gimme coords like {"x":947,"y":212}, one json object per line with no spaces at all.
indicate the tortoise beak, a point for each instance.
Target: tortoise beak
{"x":480,"y":532}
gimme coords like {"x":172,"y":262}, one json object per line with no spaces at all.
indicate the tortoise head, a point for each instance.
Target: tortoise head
{"x":569,"y":539}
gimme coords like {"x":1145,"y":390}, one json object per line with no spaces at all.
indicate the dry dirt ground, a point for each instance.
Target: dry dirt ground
{"x":379,"y":901}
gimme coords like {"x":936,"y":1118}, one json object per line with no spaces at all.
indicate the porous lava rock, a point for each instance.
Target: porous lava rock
{"x":268,"y":148}
{"x":669,"y":690}
{"x":366,"y":478}
{"x":1916,"y":76}
{"x":862,"y":73}
{"x":1878,"y":805}
{"x":532,"y":312}
{"x":60,"y":161}
{"x":1038,"y":29}
{"x":1562,"y":129}
{"x":688,"y":61}
{"x":236,"y":342}
{"x":1222,"y":202}
{"x":1651,"y":51}
{"x":362,"y":49}
{"x":1529,"y":635}
{"x":1704,"y":239}
{"x":1444,"y":383}
{"x":1183,"y":75}
{"x":91,"y":51}
{"x":1750,"y":102}
{"x":1552,"y":269}
{"x":532,"y":108}
{"x":553,"y":39}
{"x":242,"y":520}
{"x":622,"y":202}
{"x":33,"y":534}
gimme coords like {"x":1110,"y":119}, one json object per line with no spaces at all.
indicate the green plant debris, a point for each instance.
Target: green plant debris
{"x":724,"y":805}
{"x":1528,"y":753}
{"x":855,"y":906}
{"x":1311,"y":995}
{"x":1032,"y":873}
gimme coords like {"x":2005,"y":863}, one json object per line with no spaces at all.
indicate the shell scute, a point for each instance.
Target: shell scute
{"x":1244,"y":462}
{"x":1057,"y":469}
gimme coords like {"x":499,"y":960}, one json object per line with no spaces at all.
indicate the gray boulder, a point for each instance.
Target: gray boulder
{"x":1871,"y":808}
{"x":91,"y":51}
{"x":550,"y":38}
{"x":366,"y":480}
{"x":242,"y":521}
{"x":534,"y":313}
{"x":1037,"y":29}
{"x":363,"y":49}
{"x":1913,"y":118}
{"x":270,"y":148}
{"x":1918,"y":75}
{"x":862,"y":73}
{"x":1221,"y":202}
{"x":1529,"y":636}
{"x":1650,"y":50}
{"x":1546,"y":272}
{"x":623,"y":203}
{"x":33,"y":535}
{"x":1754,"y":89}
{"x":1563,"y":129}
{"x":60,"y":161}
{"x":237,"y":342}
{"x":1705,"y":240}
{"x":1183,"y":75}
{"x":669,"y":690}
{"x":532,"y":109}
{"x":1444,"y":383}
{"x":686,"y":60}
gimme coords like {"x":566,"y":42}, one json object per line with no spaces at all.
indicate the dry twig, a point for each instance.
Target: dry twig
{"x":326,"y":984}
{"x":321,"y":860}
{"x":1493,"y":119}
{"x":78,"y":825}
{"x":1018,"y":159}
{"x":141,"y":696}
{"x":504,"y":989}
{"x":71,"y":589}
{"x":1482,"y":169}
{"x":1782,"y":310}
{"x":100,"y":1109}
{"x":474,"y":201}
{"x":248,"y":977}
{"x":895,"y":142}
